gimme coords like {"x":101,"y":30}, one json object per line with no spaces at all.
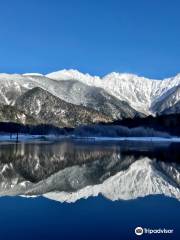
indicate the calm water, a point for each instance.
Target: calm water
{"x":85,"y":190}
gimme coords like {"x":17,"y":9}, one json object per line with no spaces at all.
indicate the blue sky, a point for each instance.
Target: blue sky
{"x":95,"y":36}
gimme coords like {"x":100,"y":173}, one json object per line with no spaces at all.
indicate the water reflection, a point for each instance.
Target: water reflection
{"x":71,"y":170}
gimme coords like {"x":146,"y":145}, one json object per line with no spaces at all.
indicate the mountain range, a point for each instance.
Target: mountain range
{"x":68,"y":98}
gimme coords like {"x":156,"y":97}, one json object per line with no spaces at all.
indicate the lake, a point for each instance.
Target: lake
{"x":84,"y":189}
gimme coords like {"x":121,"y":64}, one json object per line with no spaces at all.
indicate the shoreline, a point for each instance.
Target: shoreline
{"x":51,"y":137}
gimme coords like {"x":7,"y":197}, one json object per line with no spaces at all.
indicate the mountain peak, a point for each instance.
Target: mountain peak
{"x":32,"y":74}
{"x":71,"y":74}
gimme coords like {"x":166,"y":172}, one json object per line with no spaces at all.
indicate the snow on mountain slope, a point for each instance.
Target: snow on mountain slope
{"x":169,"y":100}
{"x":78,"y":93}
{"x":173,"y":109}
{"x":75,"y":92}
{"x":12,"y":86}
{"x":139,"y":92}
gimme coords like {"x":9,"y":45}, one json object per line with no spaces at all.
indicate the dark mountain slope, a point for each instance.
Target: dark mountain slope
{"x":12,"y":114}
{"x":48,"y":109}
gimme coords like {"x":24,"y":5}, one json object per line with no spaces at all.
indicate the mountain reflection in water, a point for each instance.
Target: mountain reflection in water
{"x":71,"y":170}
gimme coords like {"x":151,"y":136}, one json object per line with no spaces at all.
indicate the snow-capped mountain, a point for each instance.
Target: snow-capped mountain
{"x":72,"y":91}
{"x":115,"y":95}
{"x":141,"y":93}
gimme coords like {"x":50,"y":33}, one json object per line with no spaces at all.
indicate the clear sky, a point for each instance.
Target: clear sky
{"x":95,"y":36}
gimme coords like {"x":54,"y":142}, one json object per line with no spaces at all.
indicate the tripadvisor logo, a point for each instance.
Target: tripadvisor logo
{"x":139,"y":231}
